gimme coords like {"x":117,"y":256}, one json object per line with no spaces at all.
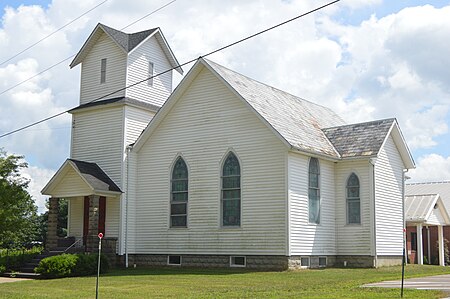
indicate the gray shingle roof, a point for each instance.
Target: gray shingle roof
{"x":297,"y":120}
{"x":95,"y":176}
{"x":359,"y":140}
{"x":125,"y":40}
{"x":125,"y":100}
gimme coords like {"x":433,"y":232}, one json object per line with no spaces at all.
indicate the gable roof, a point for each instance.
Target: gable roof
{"x":363,"y":139}
{"x":296,"y":121}
{"x":127,"y":42}
{"x":95,"y":179}
{"x":441,"y":188}
{"x":418,"y":208}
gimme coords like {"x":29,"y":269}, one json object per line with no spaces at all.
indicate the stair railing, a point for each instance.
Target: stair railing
{"x":73,"y":244}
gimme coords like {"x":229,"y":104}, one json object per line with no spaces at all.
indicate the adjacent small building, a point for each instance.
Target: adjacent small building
{"x":427,"y":207}
{"x":224,"y":171}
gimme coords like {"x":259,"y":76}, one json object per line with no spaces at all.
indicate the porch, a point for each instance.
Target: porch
{"x":426,"y":219}
{"x":93,"y":208}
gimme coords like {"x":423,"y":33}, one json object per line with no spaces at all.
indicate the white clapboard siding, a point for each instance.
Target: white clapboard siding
{"x":306,"y":238}
{"x":112,"y":217}
{"x":436,"y":217}
{"x":116,"y":60}
{"x":205,"y":124}
{"x":388,"y":200}
{"x":129,"y":198}
{"x":136,"y":120}
{"x":353,"y":239}
{"x":97,"y":136}
{"x":75,"y":228}
{"x":138,"y":69}
{"x":72,"y":185}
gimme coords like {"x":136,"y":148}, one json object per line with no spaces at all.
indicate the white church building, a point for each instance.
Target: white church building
{"x":222,"y":171}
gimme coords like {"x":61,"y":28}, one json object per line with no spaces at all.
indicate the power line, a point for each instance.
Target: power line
{"x":44,"y":38}
{"x":64,"y":60}
{"x":180,"y":65}
{"x":156,"y":10}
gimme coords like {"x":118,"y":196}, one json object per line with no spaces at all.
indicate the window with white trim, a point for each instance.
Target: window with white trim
{"x":103,"y":71}
{"x":314,"y":191}
{"x":179,"y":194}
{"x":231,"y":191}
{"x":353,"y":200}
{"x":174,"y":260}
{"x":237,"y":261}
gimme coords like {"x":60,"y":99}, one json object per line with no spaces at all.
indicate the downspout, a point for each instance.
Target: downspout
{"x":404,"y":179}
{"x":428,"y":245}
{"x":372,"y":162}
{"x":129,"y":147}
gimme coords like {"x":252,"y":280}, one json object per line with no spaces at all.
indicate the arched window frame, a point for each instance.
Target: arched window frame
{"x":353,"y":199}
{"x":224,"y":220}
{"x":314,"y":191}
{"x":179,"y":198}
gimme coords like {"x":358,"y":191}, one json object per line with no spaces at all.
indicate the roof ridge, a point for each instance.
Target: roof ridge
{"x":429,"y":183}
{"x":362,"y":123}
{"x":267,"y":85}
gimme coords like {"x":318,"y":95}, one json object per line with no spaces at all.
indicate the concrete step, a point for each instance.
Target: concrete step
{"x":21,"y":275}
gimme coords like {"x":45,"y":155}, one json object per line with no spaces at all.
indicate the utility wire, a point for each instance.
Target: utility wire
{"x":71,"y":56}
{"x":59,"y":29}
{"x":178,"y":66}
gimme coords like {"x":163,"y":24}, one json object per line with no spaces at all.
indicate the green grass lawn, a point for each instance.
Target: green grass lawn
{"x":211,"y":283}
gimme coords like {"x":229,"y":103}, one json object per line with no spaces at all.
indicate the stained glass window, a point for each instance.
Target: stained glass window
{"x":179,"y":194}
{"x":353,"y":200}
{"x":314,"y":191}
{"x":231,"y":191}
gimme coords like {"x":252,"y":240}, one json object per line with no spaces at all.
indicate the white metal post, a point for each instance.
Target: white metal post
{"x":419,"y":244}
{"x":441,"y":245}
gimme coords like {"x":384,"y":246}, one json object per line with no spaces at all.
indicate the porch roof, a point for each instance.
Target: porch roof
{"x":426,"y":208}
{"x":80,"y":178}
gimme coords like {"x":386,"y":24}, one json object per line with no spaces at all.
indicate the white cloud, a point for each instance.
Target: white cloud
{"x":38,"y":177}
{"x":392,"y":66}
{"x":431,"y":168}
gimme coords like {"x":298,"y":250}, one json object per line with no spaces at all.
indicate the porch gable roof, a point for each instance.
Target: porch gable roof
{"x":426,"y":208}
{"x":80,"y":178}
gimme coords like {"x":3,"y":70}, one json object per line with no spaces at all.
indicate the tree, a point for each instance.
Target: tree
{"x":18,"y":212}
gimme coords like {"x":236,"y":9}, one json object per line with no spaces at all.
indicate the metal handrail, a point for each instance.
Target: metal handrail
{"x":74,"y":243}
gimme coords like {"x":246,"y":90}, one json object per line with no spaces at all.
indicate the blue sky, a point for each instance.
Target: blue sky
{"x":362,"y":68}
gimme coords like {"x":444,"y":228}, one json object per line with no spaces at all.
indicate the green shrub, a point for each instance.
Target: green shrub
{"x":71,"y":265}
{"x":2,"y":269}
{"x":87,"y":264}
{"x":57,"y":266}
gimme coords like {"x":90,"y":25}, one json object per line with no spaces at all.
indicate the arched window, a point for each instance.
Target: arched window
{"x":314,"y":191}
{"x":179,"y":194}
{"x":353,"y":200}
{"x":231,"y":191}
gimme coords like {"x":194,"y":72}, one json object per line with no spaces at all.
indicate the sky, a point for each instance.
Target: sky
{"x":365,"y":59}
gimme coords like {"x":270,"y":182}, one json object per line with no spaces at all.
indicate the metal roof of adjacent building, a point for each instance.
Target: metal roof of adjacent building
{"x":441,"y":188}
{"x":363,"y":139}
{"x":417,"y":207}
